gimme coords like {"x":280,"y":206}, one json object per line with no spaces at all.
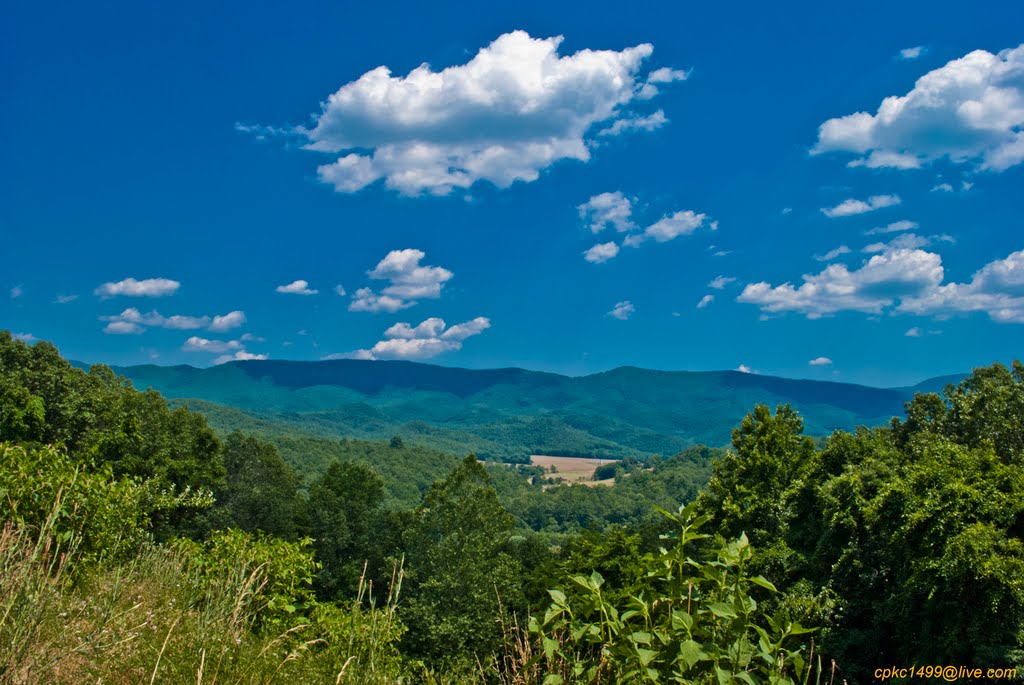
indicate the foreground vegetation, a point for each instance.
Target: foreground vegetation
{"x":138,"y":546}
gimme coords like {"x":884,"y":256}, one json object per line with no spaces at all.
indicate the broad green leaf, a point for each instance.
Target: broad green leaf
{"x":549,"y":651}
{"x":763,"y":582}
{"x":722,"y":610}
{"x":691,"y":652}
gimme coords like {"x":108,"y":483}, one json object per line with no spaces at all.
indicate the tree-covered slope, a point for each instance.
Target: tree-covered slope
{"x":510,"y":413}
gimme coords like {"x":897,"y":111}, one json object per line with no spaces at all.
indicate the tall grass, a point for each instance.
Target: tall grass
{"x":157,"y":618}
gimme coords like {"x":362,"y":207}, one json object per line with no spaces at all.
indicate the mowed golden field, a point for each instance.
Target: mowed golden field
{"x":572,"y":469}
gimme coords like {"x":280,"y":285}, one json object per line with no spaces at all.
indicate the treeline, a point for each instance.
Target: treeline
{"x":127,"y":522}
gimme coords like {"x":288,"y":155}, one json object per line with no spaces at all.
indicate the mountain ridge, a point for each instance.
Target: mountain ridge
{"x":510,"y":413}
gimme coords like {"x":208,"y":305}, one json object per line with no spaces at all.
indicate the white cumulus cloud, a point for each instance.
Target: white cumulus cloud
{"x":970,"y":110}
{"x":511,"y":111}
{"x":997,"y":289}
{"x":408,"y":282}
{"x":900,"y":280}
{"x":240,"y":356}
{"x":228,"y":321}
{"x":608,"y":209}
{"x":132,"y":321}
{"x":299,"y":287}
{"x":670,"y":227}
{"x":123,"y":328}
{"x":429,"y":338}
{"x":148,"y":287}
{"x":871,"y":288}
{"x":820,"y":361}
{"x":705,"y":301}
{"x":197,"y":344}
{"x":600,"y":253}
{"x":365,"y":300}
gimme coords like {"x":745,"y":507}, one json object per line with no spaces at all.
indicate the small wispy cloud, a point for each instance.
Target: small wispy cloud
{"x":852,"y":207}
{"x":832,"y":254}
{"x":913,"y":53}
{"x":894,"y":227}
{"x":719,"y":282}
{"x":622,"y":310}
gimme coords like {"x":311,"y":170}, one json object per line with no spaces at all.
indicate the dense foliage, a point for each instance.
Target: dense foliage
{"x":270,"y":555}
{"x":906,"y":541}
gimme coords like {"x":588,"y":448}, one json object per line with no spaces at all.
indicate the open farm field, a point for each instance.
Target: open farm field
{"x":572,"y":469}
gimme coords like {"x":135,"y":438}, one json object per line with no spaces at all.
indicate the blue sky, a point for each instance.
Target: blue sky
{"x":673,"y":186}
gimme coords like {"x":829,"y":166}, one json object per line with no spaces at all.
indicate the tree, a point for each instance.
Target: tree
{"x":262,"y":491}
{"x":463,"y":571}
{"x":747,"y":490}
{"x":344,"y":510}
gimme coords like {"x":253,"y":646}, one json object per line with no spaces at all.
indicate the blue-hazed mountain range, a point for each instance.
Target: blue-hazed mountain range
{"x":508,"y":414}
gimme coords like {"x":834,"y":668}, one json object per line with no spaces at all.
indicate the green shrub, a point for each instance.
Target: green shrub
{"x":694,"y":622}
{"x":281,"y":572}
{"x":107,"y":516}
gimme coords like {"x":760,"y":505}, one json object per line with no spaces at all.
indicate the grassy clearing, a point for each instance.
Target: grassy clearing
{"x":570,"y":469}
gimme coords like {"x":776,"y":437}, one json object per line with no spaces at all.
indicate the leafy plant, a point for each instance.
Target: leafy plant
{"x":693,"y":622}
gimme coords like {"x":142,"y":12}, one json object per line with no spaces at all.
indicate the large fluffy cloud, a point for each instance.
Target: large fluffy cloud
{"x":147,"y":287}
{"x":408,"y":282}
{"x":970,"y":110}
{"x":996,"y":289}
{"x":871,"y":288}
{"x":511,"y":111}
{"x":428,"y":339}
{"x":902,"y":279}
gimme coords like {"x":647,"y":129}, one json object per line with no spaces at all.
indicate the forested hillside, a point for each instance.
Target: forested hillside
{"x":508,"y":414}
{"x":140,"y":546}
